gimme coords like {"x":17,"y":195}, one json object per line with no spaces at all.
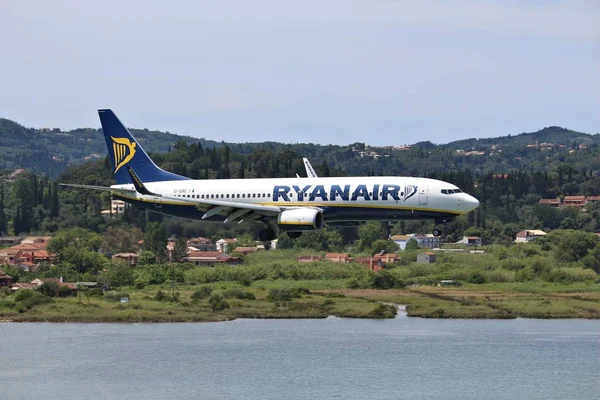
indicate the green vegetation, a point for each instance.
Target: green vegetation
{"x":518,"y":281}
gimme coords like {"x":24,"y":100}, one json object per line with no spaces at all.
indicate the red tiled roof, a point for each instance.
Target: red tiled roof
{"x":24,"y":285}
{"x":309,"y":258}
{"x":549,"y":201}
{"x":337,"y":255}
{"x":574,"y":198}
{"x":206,"y":254}
{"x":429,"y":253}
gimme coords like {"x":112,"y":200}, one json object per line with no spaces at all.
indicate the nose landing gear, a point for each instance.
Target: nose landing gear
{"x":437,"y":232}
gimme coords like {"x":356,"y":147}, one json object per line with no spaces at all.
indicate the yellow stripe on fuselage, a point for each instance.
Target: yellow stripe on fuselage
{"x":299,"y":204}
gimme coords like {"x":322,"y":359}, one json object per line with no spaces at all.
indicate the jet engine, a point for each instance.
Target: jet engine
{"x":300,"y":219}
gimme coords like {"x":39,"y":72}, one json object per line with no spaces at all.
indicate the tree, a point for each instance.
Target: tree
{"x":180,"y":250}
{"x":146,"y":257}
{"x":119,"y":274}
{"x":387,"y":246}
{"x":155,"y":240}
{"x":3,"y":221}
{"x":412,"y":244}
{"x":573,"y":245}
{"x":369,"y":233}
{"x":121,"y":239}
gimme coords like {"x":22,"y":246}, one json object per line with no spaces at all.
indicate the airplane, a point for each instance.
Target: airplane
{"x":291,"y":205}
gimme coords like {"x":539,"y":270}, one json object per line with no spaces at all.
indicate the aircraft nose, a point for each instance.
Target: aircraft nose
{"x":471,"y":202}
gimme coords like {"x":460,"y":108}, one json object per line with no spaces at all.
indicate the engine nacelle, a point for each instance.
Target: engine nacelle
{"x":300,"y":219}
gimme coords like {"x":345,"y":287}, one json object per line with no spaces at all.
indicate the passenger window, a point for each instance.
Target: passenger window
{"x":227,"y":195}
{"x":253,"y":194}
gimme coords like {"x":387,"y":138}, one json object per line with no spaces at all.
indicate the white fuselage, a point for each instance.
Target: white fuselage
{"x":340,"y":198}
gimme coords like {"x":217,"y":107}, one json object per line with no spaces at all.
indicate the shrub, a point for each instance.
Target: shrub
{"x":572,"y":274}
{"x":202,"y":293}
{"x":50,"y":289}
{"x":95,"y":293}
{"x":386,"y":280}
{"x":328,"y":303}
{"x":217,"y":302}
{"x":239,"y":294}
{"x":114,"y":296}
{"x":335,"y":295}
{"x":279,"y":295}
{"x":356,"y":283}
{"x":476,"y":278}
{"x":384,"y":311}
{"x":31,"y":298}
{"x":501,"y":275}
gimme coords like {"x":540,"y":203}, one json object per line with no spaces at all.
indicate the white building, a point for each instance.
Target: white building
{"x":529,"y":236}
{"x":424,"y":241}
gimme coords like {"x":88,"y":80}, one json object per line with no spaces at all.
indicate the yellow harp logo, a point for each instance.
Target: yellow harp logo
{"x":123,"y":150}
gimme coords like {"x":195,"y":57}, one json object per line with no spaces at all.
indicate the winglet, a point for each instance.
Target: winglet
{"x":138,"y":184}
{"x":310,"y":171}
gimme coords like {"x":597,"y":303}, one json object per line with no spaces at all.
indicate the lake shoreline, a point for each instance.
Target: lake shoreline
{"x":427,"y":302}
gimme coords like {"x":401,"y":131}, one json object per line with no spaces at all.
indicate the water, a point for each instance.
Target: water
{"x":404,"y":358}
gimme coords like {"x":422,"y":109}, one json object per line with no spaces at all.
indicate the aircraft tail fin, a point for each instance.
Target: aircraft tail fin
{"x":124,"y":150}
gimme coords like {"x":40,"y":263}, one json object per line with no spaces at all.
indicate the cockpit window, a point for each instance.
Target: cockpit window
{"x":451,"y":191}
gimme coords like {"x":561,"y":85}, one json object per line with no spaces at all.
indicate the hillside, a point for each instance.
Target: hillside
{"x":51,"y":151}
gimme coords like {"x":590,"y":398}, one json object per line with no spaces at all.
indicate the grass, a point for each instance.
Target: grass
{"x":142,"y":308}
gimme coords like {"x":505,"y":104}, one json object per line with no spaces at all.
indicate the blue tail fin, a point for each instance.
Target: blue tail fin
{"x":124,"y":150}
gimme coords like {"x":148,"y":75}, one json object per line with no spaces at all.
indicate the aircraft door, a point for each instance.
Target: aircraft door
{"x":423,"y":195}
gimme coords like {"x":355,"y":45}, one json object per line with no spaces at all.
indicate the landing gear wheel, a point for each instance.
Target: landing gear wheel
{"x":294,"y":235}
{"x":437,"y":232}
{"x":266,"y":235}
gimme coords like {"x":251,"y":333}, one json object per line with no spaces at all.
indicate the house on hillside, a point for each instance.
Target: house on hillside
{"x":338,"y":257}
{"x":5,"y":280}
{"x":470,"y":241}
{"x":212,"y":258}
{"x":373,"y":263}
{"x":549,"y":202}
{"x":201,"y":244}
{"x":35,"y":257}
{"x":306,"y":259}
{"x":427,"y":257}
{"x":427,"y":241}
{"x":36,"y":239}
{"x":23,"y":285}
{"x":223,"y":244}
{"x":129,"y":258}
{"x":529,"y":236}
{"x":574,"y":201}
{"x":10,"y":240}
{"x":387,"y":258}
{"x":247,"y":250}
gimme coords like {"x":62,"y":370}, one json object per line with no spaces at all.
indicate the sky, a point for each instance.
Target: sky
{"x":384,"y":72}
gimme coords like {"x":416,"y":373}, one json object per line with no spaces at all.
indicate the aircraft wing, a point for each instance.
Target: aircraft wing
{"x":101,"y":188}
{"x":231,"y":210}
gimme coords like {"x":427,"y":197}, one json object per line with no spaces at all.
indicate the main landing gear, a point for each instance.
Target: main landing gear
{"x":437,"y":232}
{"x":294,"y":235}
